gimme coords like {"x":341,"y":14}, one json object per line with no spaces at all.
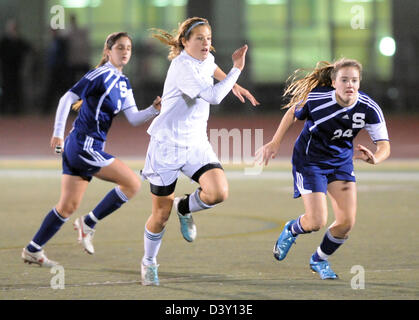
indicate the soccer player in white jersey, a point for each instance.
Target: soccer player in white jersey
{"x":334,"y":112}
{"x":99,"y":96}
{"x":179,"y":141}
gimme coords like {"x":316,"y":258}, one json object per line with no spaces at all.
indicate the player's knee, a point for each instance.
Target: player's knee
{"x":316,"y":224}
{"x":217,"y":195}
{"x":68,"y":208}
{"x":132,"y":187}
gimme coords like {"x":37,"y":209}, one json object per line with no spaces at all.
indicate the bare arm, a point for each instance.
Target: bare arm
{"x":270,"y":150}
{"x":381,"y":153}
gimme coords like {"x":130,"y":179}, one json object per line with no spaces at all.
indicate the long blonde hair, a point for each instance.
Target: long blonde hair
{"x":109,"y":43}
{"x":322,"y":75}
{"x":174,"y":41}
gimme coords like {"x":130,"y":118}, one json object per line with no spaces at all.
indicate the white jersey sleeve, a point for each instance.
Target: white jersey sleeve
{"x":191,"y":81}
{"x":63,"y":110}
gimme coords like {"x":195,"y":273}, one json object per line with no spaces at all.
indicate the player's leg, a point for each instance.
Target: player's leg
{"x":153,"y":235}
{"x":314,"y":218}
{"x":128,"y":185}
{"x":213,"y":189}
{"x":343,"y":199}
{"x":72,"y":191}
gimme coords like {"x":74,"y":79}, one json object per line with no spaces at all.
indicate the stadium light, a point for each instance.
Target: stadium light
{"x":80,"y":3}
{"x":387,"y":46}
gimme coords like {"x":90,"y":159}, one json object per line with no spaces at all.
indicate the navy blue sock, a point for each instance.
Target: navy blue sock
{"x":327,"y":247}
{"x":296,"y":227}
{"x":112,"y":201}
{"x":49,"y":227}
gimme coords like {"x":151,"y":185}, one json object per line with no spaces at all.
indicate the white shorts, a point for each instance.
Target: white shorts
{"x":165,"y":161}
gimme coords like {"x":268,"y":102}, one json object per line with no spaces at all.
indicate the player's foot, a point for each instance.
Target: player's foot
{"x":187,"y":226}
{"x":38,"y":258}
{"x":85,"y":235}
{"x":284,"y":242}
{"x":323,"y":269}
{"x":149,"y":275}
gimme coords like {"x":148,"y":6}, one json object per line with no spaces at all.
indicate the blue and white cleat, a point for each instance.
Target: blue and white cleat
{"x":284,"y":242}
{"x":187,"y":225}
{"x":149,"y":275}
{"x":323,"y":269}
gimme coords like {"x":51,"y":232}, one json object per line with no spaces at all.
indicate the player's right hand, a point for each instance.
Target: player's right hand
{"x":57,"y":144}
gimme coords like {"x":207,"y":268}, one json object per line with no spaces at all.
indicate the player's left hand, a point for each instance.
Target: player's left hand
{"x":157,"y":103}
{"x":365,"y":154}
{"x":242,"y":93}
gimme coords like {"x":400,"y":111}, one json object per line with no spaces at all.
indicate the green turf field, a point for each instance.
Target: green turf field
{"x":232,"y":256}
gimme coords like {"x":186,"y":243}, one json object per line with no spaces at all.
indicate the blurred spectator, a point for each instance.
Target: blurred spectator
{"x":13,"y":50}
{"x":58,"y":78}
{"x":78,"y":50}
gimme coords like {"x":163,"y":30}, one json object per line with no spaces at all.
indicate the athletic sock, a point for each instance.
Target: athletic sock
{"x":152,"y":242}
{"x":327,"y":247}
{"x":296,"y":228}
{"x":49,"y":227}
{"x":111,"y":202}
{"x":192,"y":203}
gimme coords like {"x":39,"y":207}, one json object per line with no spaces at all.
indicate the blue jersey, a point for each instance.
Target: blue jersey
{"x":327,"y":137}
{"x":105,"y":91}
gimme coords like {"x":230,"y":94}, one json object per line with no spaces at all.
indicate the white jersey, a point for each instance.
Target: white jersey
{"x":188,"y":92}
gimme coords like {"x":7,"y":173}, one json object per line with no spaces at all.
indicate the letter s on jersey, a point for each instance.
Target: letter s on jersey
{"x":123,"y":88}
{"x":358,"y":120}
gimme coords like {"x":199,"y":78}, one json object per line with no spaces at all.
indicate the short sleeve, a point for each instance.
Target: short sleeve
{"x":84,"y":87}
{"x":301,"y":113}
{"x":375,"y":123}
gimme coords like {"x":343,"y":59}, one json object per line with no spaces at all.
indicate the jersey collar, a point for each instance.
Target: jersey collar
{"x":348,"y":107}
{"x":113,"y":68}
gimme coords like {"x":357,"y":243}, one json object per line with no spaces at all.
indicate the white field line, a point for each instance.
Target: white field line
{"x":232,"y":175}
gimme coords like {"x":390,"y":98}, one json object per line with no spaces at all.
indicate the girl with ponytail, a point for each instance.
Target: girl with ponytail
{"x":334,"y":111}
{"x":98,"y":97}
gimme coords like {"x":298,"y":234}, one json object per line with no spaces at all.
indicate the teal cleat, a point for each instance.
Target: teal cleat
{"x":323,"y":269}
{"x":149,"y":275}
{"x":284,"y":242}
{"x":187,"y":225}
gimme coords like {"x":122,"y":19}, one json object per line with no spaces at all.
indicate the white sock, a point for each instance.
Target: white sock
{"x":195,"y":202}
{"x":152,"y":242}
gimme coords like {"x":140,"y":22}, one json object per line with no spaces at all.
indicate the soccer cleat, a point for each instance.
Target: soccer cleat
{"x":187,"y":226}
{"x":323,"y":269}
{"x":284,"y":242}
{"x":38,"y":258}
{"x":85,"y":235}
{"x":149,"y":276}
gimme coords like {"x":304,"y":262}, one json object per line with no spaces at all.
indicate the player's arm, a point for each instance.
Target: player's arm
{"x":136,"y":117}
{"x":381,"y":153}
{"x":63,"y":109}
{"x":237,"y":90}
{"x":270,"y":150}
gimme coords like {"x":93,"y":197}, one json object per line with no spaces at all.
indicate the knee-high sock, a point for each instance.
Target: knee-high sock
{"x":49,"y":227}
{"x":152,"y":242}
{"x":327,"y":247}
{"x":193,"y":203}
{"x":111,"y":202}
{"x":297,"y":228}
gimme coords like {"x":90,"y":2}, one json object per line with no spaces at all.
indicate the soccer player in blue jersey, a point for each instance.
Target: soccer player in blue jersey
{"x":99,"y":96}
{"x":322,"y":163}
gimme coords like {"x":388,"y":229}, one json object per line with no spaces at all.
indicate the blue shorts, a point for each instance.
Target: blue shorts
{"x":84,"y":156}
{"x":309,"y":178}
